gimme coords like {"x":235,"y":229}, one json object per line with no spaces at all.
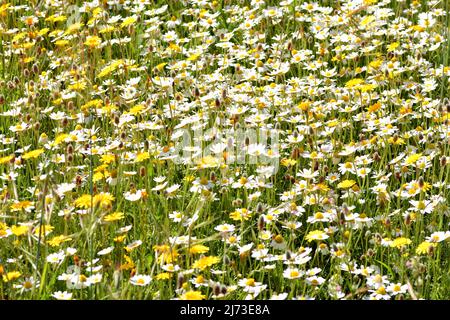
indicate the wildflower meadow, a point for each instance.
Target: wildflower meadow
{"x":228,"y":150}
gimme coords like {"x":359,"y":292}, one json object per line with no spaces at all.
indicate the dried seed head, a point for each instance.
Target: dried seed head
{"x":443,"y":160}
{"x":430,"y":250}
{"x":180,"y":280}
{"x":223,"y":290}
{"x":421,"y":182}
{"x":142,"y":171}
{"x":35,"y":68}
{"x":288,"y":255}
{"x":407,"y":219}
{"x":295,"y":154}
{"x":376,"y":156}
{"x":216,"y":289}
{"x":237,"y":202}
{"x":289,"y":46}
{"x":224,"y":94}
{"x":261,"y":223}
{"x":316,"y":166}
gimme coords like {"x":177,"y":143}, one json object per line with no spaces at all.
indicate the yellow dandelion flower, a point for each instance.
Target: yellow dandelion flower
{"x":61,"y":43}
{"x":93,"y":41}
{"x":354,"y":83}
{"x":114,"y":216}
{"x":393,"y":46}
{"x":104,"y":199}
{"x":128,"y":264}
{"x":56,"y":241}
{"x":20,"y":230}
{"x":97,"y":176}
{"x":33,"y":154}
{"x":346,"y":184}
{"x":199,"y":248}
{"x":128,"y":21}
{"x":60,"y":138}
{"x":74,"y":28}
{"x":413,"y":158}
{"x":6,"y":159}
{"x":163,"y":276}
{"x":193,"y":295}
{"x":141,"y":156}
{"x":423,"y":247}
{"x":288,"y":162}
{"x":120,"y":239}
{"x":400,"y":242}
{"x":22,"y":205}
{"x":83,"y":201}
{"x":11,"y":276}
{"x":205,"y":262}
{"x":78,"y":86}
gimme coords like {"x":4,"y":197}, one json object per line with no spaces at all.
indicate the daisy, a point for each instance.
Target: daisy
{"x":140,"y":280}
{"x":292,"y":273}
{"x":62,"y":295}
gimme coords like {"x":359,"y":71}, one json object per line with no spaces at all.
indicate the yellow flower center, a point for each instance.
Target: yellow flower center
{"x":250,"y":282}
